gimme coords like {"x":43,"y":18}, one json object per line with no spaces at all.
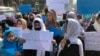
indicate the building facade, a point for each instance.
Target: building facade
{"x":37,"y":4}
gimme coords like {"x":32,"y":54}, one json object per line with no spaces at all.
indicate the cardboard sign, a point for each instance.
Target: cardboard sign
{"x":25,"y":8}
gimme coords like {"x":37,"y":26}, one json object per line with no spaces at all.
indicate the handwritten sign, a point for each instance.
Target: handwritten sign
{"x":38,"y":40}
{"x":92,"y":41}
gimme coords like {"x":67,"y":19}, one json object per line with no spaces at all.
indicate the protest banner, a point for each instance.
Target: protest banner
{"x":88,"y":6}
{"x":55,"y":5}
{"x":17,"y":31}
{"x":27,"y":8}
{"x":48,"y":2}
{"x":92,"y":41}
{"x":38,"y":40}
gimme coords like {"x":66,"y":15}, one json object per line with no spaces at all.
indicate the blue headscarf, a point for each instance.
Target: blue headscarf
{"x":9,"y":48}
{"x":8,"y":44}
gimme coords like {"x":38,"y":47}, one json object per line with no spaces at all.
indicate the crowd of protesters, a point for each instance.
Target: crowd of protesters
{"x":68,"y":39}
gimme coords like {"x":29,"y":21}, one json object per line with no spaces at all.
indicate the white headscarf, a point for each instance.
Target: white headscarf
{"x":73,"y":31}
{"x":96,"y":25}
{"x":72,"y":14}
{"x":39,"y":15}
{"x":43,"y":28}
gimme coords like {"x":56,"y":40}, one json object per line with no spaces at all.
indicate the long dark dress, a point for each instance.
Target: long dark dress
{"x":29,"y":53}
{"x":73,"y":50}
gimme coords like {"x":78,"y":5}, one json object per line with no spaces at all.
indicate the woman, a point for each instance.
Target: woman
{"x":38,"y":25}
{"x":10,"y":44}
{"x":31,"y":17}
{"x":71,"y":45}
{"x":22,"y":23}
{"x":51,"y":25}
{"x":96,"y":25}
{"x":92,"y":28}
{"x":30,"y":20}
{"x":71,"y":14}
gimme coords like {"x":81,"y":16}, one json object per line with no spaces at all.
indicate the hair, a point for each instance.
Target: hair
{"x":53,"y":22}
{"x":24,"y":23}
{"x":98,"y":17}
{"x":54,"y":12}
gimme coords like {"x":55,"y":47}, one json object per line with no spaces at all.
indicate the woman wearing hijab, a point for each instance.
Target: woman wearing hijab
{"x":30,"y":20}
{"x":72,"y":15}
{"x":71,"y":45}
{"x":96,"y":25}
{"x":22,"y":23}
{"x":39,"y":22}
{"x":92,"y":28}
{"x":38,"y":25}
{"x":31,"y":17}
{"x":10,"y":44}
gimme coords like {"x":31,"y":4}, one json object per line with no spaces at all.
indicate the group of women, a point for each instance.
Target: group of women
{"x":67,"y":41}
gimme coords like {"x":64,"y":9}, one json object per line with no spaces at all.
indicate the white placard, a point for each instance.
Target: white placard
{"x":48,"y":2}
{"x":38,"y":40}
{"x":92,"y":41}
{"x":59,"y":8}
{"x":17,"y":31}
{"x":2,"y":17}
{"x":57,"y":5}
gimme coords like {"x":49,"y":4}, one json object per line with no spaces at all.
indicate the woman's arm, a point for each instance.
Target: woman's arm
{"x":21,"y":40}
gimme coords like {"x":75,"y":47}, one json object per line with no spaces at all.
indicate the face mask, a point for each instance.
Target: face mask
{"x":38,"y":29}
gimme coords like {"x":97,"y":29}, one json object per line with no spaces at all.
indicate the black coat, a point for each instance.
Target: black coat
{"x":90,"y":28}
